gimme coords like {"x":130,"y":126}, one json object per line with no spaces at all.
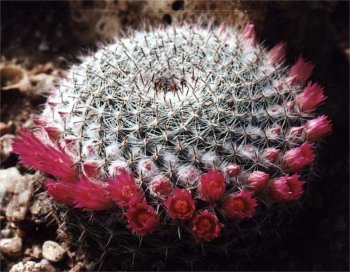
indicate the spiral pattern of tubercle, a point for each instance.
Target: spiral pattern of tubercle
{"x":176,"y":98}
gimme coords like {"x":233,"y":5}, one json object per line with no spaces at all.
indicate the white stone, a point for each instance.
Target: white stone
{"x":15,"y":191}
{"x":52,"y":251}
{"x":11,"y":246}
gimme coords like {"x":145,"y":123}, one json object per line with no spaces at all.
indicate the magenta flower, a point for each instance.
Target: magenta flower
{"x":61,"y":192}
{"x":258,"y":181}
{"x":277,"y":53}
{"x":43,"y":157}
{"x":315,"y":129}
{"x":161,"y":186}
{"x":295,"y":132}
{"x":91,"y":169}
{"x":54,"y":133}
{"x":212,"y":186}
{"x":249,"y":32}
{"x":239,"y":205}
{"x":90,"y":196}
{"x":301,"y":70}
{"x":271,"y":154}
{"x":180,"y":205}
{"x":310,"y":98}
{"x":296,"y":158}
{"x":205,"y":226}
{"x":233,"y":170}
{"x":142,"y":218}
{"x":123,"y":189}
{"x":286,"y":188}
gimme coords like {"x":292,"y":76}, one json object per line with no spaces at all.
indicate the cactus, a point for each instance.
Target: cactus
{"x":187,"y":137}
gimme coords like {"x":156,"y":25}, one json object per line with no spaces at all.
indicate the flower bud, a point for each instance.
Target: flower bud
{"x":315,"y":129}
{"x":233,"y":170}
{"x":258,"y":181}
{"x":310,"y":98}
{"x":161,"y":186}
{"x":239,"y":205}
{"x":296,"y":158}
{"x":205,"y":226}
{"x":286,"y":188}
{"x":212,"y":186}
{"x":249,"y":32}
{"x":277,"y":53}
{"x":301,"y":70}
{"x":180,"y":205}
{"x":142,"y":218}
{"x":271,"y":154}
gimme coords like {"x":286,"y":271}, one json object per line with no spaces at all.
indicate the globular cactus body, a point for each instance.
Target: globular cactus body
{"x":185,"y":126}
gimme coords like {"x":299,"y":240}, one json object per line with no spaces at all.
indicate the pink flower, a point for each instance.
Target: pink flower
{"x":212,"y":186}
{"x":296,"y":158}
{"x":161,"y":186}
{"x":271,"y":154}
{"x":180,"y":205}
{"x":258,"y":180}
{"x":61,"y":192}
{"x":310,"y":98}
{"x":295,"y":132}
{"x":142,"y":218}
{"x":91,"y":169}
{"x":301,"y":70}
{"x":286,"y":188}
{"x":90,"y":196}
{"x":39,"y":122}
{"x":249,"y":32}
{"x":233,"y":170}
{"x":43,"y":157}
{"x":317,"y":128}
{"x":274,"y":131}
{"x":239,"y":205}
{"x":54,"y":133}
{"x":70,"y":142}
{"x":205,"y":226}
{"x":123,"y":189}
{"x":277,"y":52}
{"x":117,"y":167}
{"x":290,"y":105}
{"x":148,"y":168}
{"x":189,"y":176}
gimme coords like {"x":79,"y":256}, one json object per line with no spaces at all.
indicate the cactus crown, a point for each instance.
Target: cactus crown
{"x":176,"y":97}
{"x":200,"y":121}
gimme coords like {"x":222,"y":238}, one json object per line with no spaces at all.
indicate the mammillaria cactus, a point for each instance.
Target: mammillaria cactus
{"x":185,"y":130}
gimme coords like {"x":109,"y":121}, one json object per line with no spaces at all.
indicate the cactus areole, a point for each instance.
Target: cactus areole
{"x":186,"y":125}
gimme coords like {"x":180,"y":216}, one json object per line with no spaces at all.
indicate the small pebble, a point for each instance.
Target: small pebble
{"x":37,"y":252}
{"x":34,"y":252}
{"x":18,"y":267}
{"x":18,"y":206}
{"x":8,"y":179}
{"x":11,"y":246}
{"x":5,"y":233}
{"x":5,"y":146}
{"x":31,"y":266}
{"x":78,"y":267}
{"x":52,"y":251}
{"x":4,"y":128}
{"x":46,"y":266}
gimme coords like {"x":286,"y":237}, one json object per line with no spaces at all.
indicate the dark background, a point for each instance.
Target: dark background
{"x":319,"y":238}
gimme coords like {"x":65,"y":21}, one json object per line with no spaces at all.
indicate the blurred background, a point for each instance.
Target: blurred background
{"x":41,"y":39}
